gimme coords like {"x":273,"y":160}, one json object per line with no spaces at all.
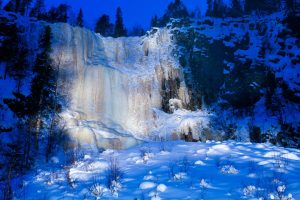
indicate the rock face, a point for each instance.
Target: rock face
{"x":113,"y":85}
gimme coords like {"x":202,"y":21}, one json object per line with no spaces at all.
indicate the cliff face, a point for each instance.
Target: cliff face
{"x":113,"y":85}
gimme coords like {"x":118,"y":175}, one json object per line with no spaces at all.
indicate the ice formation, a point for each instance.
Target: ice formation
{"x":114,"y":85}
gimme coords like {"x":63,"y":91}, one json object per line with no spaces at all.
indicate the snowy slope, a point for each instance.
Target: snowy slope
{"x":175,"y":170}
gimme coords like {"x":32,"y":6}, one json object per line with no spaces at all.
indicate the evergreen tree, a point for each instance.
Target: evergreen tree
{"x":137,"y":30}
{"x":38,"y":11}
{"x":290,"y":5}
{"x":209,"y":10}
{"x":14,"y":165}
{"x":18,"y":6}
{"x":262,"y":5}
{"x":119,"y":25}
{"x":219,"y":9}
{"x":24,"y":6}
{"x":154,"y":21}
{"x":104,"y":27}
{"x":271,"y":85}
{"x":236,"y":9}
{"x":196,"y":13}
{"x":9,"y":46}
{"x":79,"y":20}
{"x":58,"y":14}
{"x":12,"y":6}
{"x":175,"y":10}
{"x":13,"y":47}
{"x":41,"y":99}
{"x":18,"y":67}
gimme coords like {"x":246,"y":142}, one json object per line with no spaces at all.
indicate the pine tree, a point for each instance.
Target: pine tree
{"x":154,"y":21}
{"x":24,"y":6}
{"x":209,"y":10}
{"x":12,"y":6}
{"x":19,"y":67}
{"x":236,"y":9}
{"x":38,"y":10}
{"x":79,"y":20}
{"x":219,"y":9}
{"x":14,"y":166}
{"x":58,"y":14}
{"x":290,"y":6}
{"x":119,"y":25}
{"x":251,"y":5}
{"x":137,"y":30}
{"x":271,"y":85}
{"x":104,"y":27}
{"x":18,"y":6}
{"x":41,"y":99}
{"x":9,"y":46}
{"x":13,"y":47}
{"x":196,"y":13}
{"x":175,"y":10}
{"x":262,"y":5}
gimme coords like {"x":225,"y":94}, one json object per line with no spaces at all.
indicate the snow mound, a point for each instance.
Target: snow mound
{"x":161,"y":188}
{"x":147,"y":185}
{"x":229,"y":169}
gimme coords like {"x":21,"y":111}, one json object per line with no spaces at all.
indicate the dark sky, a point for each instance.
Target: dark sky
{"x":134,"y":11}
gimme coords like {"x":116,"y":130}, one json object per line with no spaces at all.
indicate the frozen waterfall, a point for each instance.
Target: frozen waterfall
{"x":115,"y":85}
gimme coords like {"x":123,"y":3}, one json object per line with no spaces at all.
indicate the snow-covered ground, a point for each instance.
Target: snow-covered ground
{"x":173,"y":170}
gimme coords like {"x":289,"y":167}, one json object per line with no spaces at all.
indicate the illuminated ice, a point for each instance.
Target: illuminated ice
{"x":113,"y":85}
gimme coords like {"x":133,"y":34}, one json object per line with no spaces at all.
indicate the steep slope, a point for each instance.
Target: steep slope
{"x":246,"y":69}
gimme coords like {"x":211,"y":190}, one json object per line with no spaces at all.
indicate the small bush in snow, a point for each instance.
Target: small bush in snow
{"x":172,"y":169}
{"x":280,"y":163}
{"x":97,"y":190}
{"x":229,"y":169}
{"x":71,"y":181}
{"x":249,"y":190}
{"x":113,"y":175}
{"x":145,"y":154}
{"x":185,"y":164}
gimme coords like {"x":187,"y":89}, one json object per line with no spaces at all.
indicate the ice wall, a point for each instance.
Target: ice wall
{"x":113,"y":85}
